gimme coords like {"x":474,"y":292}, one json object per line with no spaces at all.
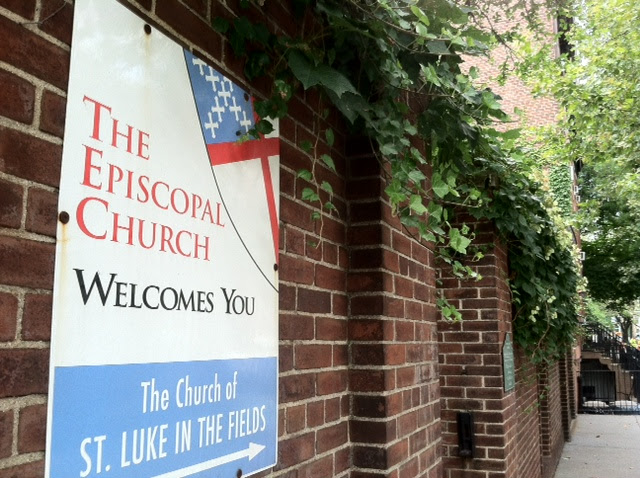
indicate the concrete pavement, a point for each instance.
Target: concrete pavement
{"x":602,"y":446}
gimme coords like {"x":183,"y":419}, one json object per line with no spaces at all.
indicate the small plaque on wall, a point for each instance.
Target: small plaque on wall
{"x":508,"y":364}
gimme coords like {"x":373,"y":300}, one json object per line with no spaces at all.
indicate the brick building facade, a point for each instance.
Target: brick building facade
{"x":370,"y":378}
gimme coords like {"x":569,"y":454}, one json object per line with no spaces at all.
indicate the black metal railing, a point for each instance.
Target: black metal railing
{"x":599,"y":339}
{"x":613,"y":388}
{"x":610,"y":392}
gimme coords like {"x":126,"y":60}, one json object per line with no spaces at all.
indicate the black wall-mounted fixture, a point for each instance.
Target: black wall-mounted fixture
{"x":466,"y":436}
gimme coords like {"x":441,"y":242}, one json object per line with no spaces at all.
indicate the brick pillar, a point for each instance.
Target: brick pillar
{"x":551,"y":419}
{"x":565,"y":400}
{"x":471,"y":372}
{"x":395,"y":427}
{"x":573,"y":409}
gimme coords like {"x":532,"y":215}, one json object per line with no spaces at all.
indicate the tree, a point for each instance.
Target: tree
{"x":597,"y":85}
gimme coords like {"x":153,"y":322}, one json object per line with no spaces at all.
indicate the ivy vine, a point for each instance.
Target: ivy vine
{"x":393,"y":69}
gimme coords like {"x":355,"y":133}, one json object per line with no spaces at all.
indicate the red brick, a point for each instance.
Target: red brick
{"x":23,"y":372}
{"x":315,"y":414}
{"x":26,"y":263}
{"x":195,"y":29}
{"x":367,"y":380}
{"x":368,"y":431}
{"x":332,"y":437}
{"x":314,"y":301}
{"x":296,"y":450}
{"x":395,"y":354}
{"x":42,"y":212}
{"x":332,"y":382}
{"x":295,"y":418}
{"x":340,"y":305}
{"x":401,"y":243}
{"x":10,"y":204}
{"x":286,"y":297}
{"x":32,"y":429}
{"x":24,"y":8}
{"x":368,"y":281}
{"x":287,"y":182}
{"x":365,"y":235}
{"x":296,"y":387}
{"x":367,"y":330}
{"x":406,"y":376}
{"x":370,"y":457}
{"x":313,"y":247}
{"x":28,"y":157}
{"x":405,"y":331}
{"x":330,"y":278}
{"x":367,"y":354}
{"x":297,"y":270}
{"x":52,"y":113}
{"x":312,"y":356}
{"x":340,"y":355}
{"x":367,"y":305}
{"x":328,"y":328}
{"x":17,"y":98}
{"x":29,"y":52}
{"x":57,"y":20}
{"x":330,"y":253}
{"x":36,"y":319}
{"x":319,"y":468}
{"x":285,"y":358}
{"x":398,"y":452}
{"x":198,"y":6}
{"x":296,"y":327}
{"x":6,"y":433}
{"x":8,"y":316}
{"x":28,"y":470}
{"x":294,"y":241}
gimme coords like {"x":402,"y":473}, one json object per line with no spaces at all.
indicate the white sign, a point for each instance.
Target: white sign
{"x":165,"y":324}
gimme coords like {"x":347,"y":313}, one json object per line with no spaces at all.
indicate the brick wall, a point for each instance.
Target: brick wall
{"x":528,"y":419}
{"x":395,"y":426}
{"x":361,"y":391}
{"x":471,"y":372}
{"x":34,"y":64}
{"x":551,"y":421}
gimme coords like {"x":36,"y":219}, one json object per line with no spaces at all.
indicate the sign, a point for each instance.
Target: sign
{"x":508,"y":364}
{"x":164,"y":349}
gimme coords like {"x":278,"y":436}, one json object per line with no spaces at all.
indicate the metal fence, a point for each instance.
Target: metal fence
{"x":610,"y":383}
{"x":610,"y":391}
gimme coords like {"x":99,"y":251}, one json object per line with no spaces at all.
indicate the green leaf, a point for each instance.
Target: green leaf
{"x":325,"y":186}
{"x":221,"y":25}
{"x":457,"y":241}
{"x":310,"y":195}
{"x":438,"y":47}
{"x":330,"y":137}
{"x":306,"y":146}
{"x":440,"y":188}
{"x":322,"y":74}
{"x":435,"y":210}
{"x":305,"y":174}
{"x":417,"y":176}
{"x":329,"y":206}
{"x":264,"y":126}
{"x":416,"y":204}
{"x":328,"y":160}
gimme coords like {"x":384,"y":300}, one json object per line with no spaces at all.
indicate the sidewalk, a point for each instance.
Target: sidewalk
{"x":602,"y":446}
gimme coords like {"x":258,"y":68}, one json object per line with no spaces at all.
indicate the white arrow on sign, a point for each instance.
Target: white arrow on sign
{"x":250,"y":452}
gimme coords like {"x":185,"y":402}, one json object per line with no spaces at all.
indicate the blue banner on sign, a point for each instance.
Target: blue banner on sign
{"x":166,"y":420}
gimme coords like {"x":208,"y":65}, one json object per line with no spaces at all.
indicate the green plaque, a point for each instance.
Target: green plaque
{"x":508,"y":364}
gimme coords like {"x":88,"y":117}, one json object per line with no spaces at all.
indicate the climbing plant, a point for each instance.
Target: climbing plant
{"x":394,"y":71}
